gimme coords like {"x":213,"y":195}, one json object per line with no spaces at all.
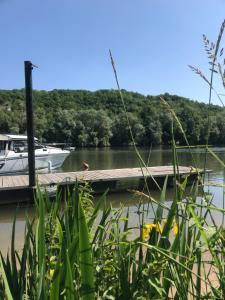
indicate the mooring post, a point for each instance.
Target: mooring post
{"x":30,"y":124}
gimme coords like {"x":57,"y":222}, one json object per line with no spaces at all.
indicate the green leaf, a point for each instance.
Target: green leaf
{"x":4,"y":278}
{"x":69,"y":280}
{"x":159,"y":212}
{"x":86,"y":263}
{"x":40,"y":294}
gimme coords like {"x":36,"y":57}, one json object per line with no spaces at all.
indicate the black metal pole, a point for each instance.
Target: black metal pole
{"x":30,"y":124}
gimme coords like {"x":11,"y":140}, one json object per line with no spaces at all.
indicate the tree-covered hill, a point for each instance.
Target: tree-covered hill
{"x":86,"y":118}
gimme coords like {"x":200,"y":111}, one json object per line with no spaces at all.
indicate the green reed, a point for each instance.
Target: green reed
{"x":76,"y":250}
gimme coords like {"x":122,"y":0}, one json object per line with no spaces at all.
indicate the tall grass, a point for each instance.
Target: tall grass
{"x":77,"y":250}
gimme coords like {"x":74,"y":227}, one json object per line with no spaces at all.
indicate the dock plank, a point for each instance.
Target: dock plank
{"x":6,"y":183}
{"x":93,"y":176}
{"x":24,"y":180}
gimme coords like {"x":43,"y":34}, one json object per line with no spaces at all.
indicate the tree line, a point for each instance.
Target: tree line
{"x":97,"y":119}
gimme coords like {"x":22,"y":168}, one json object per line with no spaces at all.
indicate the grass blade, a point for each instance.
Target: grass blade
{"x":86,"y":263}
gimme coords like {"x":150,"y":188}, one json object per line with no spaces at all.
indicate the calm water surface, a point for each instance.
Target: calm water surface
{"x":119,"y":158}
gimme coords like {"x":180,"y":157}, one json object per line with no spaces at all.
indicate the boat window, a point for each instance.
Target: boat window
{"x":2,"y":145}
{"x":38,"y":146}
{"x":10,"y":146}
{"x":20,"y":146}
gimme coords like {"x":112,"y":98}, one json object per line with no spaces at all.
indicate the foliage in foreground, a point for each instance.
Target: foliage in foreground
{"x":80,"y":251}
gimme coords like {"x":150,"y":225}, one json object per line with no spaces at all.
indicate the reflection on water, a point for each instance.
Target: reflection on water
{"x":121,"y":158}
{"x":7,"y":213}
{"x":124,"y":158}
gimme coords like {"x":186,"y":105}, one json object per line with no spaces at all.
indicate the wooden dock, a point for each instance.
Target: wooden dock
{"x":99,"y":179}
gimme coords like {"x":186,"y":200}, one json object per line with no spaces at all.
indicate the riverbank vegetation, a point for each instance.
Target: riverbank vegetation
{"x":96,"y":119}
{"x":76,"y":250}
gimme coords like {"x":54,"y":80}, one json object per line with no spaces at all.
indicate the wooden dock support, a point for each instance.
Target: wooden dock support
{"x":30,"y":124}
{"x":100,"y":180}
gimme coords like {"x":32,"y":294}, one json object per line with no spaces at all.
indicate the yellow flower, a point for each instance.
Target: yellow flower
{"x":175,"y":228}
{"x":158,"y":227}
{"x":51,"y":273}
{"x":147,"y":229}
{"x":164,"y":221}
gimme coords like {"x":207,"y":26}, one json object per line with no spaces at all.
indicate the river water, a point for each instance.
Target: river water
{"x":109,"y":158}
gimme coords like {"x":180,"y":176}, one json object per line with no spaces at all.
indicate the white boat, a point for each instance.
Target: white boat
{"x":14,"y":155}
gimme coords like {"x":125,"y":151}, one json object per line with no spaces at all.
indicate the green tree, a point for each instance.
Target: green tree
{"x":152,"y":125}
{"x":121,"y":132}
{"x":93,"y":128}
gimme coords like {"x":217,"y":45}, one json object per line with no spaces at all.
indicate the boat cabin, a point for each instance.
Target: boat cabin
{"x":16,"y":143}
{"x":14,"y":154}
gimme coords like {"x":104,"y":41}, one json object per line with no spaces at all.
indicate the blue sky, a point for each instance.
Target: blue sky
{"x":152,"y":42}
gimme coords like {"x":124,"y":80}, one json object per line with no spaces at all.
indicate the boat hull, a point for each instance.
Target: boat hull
{"x":19,"y":164}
